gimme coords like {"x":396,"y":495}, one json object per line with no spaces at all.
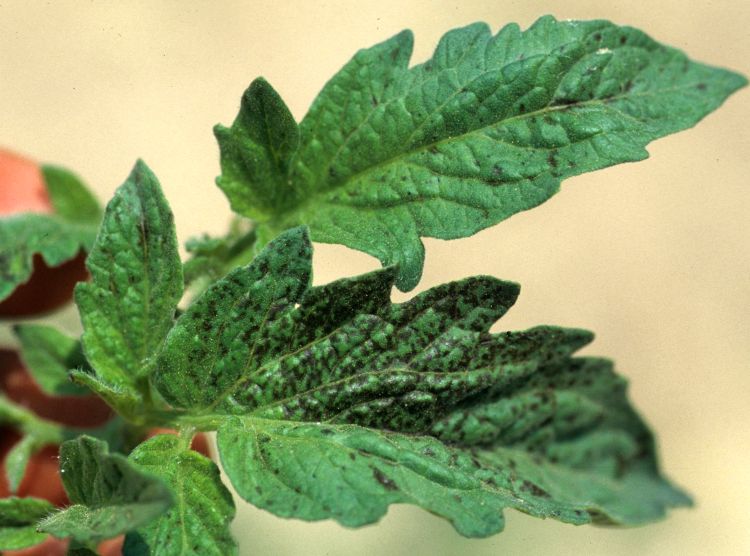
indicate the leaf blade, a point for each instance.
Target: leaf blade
{"x":110,"y":495}
{"x":70,"y":197}
{"x":435,"y":404}
{"x":48,"y":355}
{"x":128,"y":307}
{"x":199,"y":521}
{"x":488,"y":127}
{"x":257,"y":150}
{"x":196,"y":359}
{"x":18,"y":519}
{"x":24,"y":237}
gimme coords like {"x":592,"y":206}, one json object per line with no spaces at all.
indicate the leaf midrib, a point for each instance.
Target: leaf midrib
{"x":317,"y":193}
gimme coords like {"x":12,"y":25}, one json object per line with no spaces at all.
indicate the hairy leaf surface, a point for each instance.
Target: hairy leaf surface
{"x":198,"y":523}
{"x":488,"y":127}
{"x":110,"y":495}
{"x":18,"y":519}
{"x":129,"y":305}
{"x":332,"y":402}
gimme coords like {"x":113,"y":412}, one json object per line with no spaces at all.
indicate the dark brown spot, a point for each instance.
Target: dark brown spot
{"x":534,"y":490}
{"x":383,"y":479}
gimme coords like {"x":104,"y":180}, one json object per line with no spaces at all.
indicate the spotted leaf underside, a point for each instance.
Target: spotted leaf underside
{"x":332,"y":402}
{"x":488,"y":127}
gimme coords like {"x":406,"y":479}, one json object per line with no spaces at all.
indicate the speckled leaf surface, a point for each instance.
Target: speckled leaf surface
{"x":130,"y":303}
{"x":332,"y":402}
{"x":109,"y":494}
{"x":213,"y":342}
{"x":48,"y":355}
{"x":24,"y":236}
{"x":18,"y":519}
{"x":488,"y":127}
{"x":198,"y":523}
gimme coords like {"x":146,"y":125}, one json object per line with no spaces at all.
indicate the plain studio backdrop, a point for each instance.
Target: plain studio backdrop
{"x":652,"y":256}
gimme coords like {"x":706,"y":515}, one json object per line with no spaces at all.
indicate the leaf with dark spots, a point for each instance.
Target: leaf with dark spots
{"x":388,"y":153}
{"x":129,"y":305}
{"x":332,"y":402}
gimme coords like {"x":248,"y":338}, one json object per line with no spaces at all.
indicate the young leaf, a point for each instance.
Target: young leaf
{"x":70,"y":197}
{"x":213,"y":257}
{"x":18,"y":519}
{"x":333,"y":403}
{"x":110,"y":495}
{"x":26,"y":235}
{"x":48,"y":355}
{"x":257,"y":150}
{"x":488,"y":127}
{"x":129,"y":305}
{"x":199,"y":521}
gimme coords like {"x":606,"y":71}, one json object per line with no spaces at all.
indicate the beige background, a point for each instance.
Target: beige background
{"x":652,"y":256}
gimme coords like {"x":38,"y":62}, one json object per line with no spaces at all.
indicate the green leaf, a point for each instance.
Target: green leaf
{"x":70,"y":197}
{"x":110,"y":495}
{"x":486,"y":128}
{"x":121,"y":397}
{"x":36,"y":433}
{"x":199,"y":521}
{"x":257,"y":151}
{"x":129,"y":305}
{"x":193,"y":367}
{"x":213,"y":257}
{"x":18,"y":458}
{"x":331,"y":402}
{"x":49,"y":354}
{"x":18,"y":519}
{"x":24,"y":236}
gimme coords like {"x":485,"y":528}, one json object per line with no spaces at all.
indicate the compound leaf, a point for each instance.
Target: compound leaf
{"x":488,"y":127}
{"x":199,"y":521}
{"x":110,"y":495}
{"x":130,"y":303}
